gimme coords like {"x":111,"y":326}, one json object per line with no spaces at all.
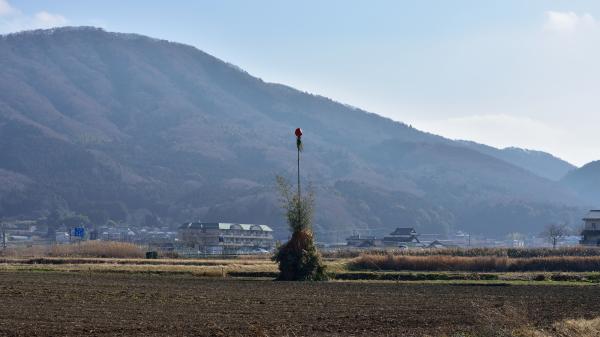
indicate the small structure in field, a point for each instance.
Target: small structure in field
{"x":226,"y":238}
{"x":591,"y":231}
{"x":402,"y":237}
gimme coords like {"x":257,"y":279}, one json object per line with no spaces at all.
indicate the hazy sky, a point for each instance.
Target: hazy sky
{"x":504,"y":73}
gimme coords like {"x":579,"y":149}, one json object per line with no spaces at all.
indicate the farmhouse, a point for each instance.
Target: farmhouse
{"x":591,"y":231}
{"x":362,"y":241}
{"x":226,"y":238}
{"x":402,"y":237}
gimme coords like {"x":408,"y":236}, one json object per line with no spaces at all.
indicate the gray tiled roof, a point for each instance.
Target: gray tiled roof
{"x":225,"y":226}
{"x":404,"y":231}
{"x":593,"y":215}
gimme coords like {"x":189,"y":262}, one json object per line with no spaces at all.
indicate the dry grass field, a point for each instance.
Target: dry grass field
{"x":106,"y":249}
{"x":475,"y":263}
{"x":81,"y":292}
{"x":54,"y":303}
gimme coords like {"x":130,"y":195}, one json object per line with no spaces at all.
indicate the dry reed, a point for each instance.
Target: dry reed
{"x":566,"y":328}
{"x":475,"y":264}
{"x":97,"y":249}
{"x":497,"y":252}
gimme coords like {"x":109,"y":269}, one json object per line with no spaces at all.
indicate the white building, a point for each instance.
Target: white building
{"x":591,"y":231}
{"x":225,"y":238}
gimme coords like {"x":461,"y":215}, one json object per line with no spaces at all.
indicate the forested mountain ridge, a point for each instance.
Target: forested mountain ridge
{"x":586,"y":182}
{"x":540,"y":163}
{"x":130,"y":128}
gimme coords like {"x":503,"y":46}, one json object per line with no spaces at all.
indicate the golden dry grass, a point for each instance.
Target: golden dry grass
{"x":566,"y":328}
{"x":218,"y":269}
{"x":98,"y":249}
{"x":467,"y":252}
{"x":108,"y":249}
{"x":475,"y":263}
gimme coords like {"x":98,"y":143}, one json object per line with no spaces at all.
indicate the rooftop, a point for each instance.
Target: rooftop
{"x":593,"y":215}
{"x":225,"y":226}
{"x":404,"y":231}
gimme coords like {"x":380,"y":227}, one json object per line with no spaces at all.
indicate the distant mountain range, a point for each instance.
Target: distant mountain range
{"x":586,"y":181}
{"x":138,"y":130}
{"x":541,"y":163}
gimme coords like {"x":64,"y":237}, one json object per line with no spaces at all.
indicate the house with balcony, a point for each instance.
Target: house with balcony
{"x":212,"y":238}
{"x":591,"y":231}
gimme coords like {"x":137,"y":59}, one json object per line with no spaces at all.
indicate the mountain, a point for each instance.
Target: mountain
{"x":145,"y":131}
{"x":541,"y":163}
{"x":586,"y":181}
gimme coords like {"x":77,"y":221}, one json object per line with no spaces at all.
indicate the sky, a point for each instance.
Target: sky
{"x":499,"y":72}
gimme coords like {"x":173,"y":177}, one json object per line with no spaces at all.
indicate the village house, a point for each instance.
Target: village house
{"x":124,"y":234}
{"x":591,"y":231}
{"x":362,"y":241}
{"x":225,"y":238}
{"x":400,"y":237}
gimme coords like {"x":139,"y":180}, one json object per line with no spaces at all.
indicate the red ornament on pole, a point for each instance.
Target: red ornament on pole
{"x":298,"y":134}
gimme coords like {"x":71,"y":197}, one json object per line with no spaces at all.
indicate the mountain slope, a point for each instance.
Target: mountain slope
{"x":541,"y":163}
{"x":586,"y":181}
{"x":125,"y":127}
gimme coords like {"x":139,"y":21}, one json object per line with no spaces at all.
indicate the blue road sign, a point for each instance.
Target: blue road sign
{"x":79,"y":231}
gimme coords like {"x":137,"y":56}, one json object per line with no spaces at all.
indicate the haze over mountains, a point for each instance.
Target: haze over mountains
{"x":586,"y":181}
{"x":134,"y":129}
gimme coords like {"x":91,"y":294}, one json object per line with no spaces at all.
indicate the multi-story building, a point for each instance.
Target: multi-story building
{"x":225,"y":238}
{"x":591,"y":231}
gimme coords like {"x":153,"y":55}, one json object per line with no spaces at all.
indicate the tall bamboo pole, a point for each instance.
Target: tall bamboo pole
{"x":299,"y":174}
{"x":298,"y":134}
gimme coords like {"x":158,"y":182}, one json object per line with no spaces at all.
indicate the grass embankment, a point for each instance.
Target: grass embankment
{"x":127,"y":261}
{"x":268,"y":270}
{"x":196,"y":267}
{"x":438,"y":265}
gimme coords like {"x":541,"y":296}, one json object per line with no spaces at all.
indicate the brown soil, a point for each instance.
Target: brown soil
{"x":99,"y":304}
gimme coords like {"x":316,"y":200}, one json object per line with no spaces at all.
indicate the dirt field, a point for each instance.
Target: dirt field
{"x":105,"y":304}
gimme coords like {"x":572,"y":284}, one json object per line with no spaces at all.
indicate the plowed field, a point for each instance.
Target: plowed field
{"x":106,"y":304}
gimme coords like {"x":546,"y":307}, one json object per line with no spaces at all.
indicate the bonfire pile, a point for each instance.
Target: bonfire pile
{"x":298,"y":258}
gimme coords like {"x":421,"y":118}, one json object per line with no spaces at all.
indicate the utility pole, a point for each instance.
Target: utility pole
{"x":3,"y":237}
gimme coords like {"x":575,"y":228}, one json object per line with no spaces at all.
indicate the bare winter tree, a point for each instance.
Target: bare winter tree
{"x":555,"y":232}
